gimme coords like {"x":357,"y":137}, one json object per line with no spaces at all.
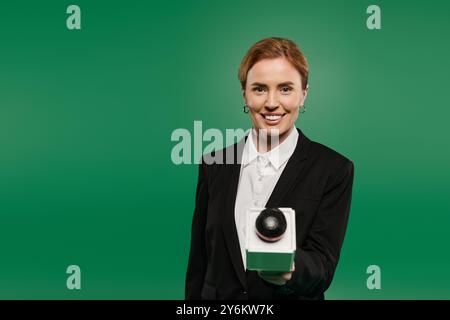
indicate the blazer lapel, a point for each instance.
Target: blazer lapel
{"x":286,"y":181}
{"x":291,"y":171}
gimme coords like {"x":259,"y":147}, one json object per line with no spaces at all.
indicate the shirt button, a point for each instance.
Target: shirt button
{"x":244,"y":292}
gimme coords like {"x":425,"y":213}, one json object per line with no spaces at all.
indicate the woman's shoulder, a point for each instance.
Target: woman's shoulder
{"x":328,"y":157}
{"x":329,"y":153}
{"x":230,"y":155}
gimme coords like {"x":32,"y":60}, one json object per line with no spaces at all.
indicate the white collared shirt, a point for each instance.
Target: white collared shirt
{"x":258,"y":176}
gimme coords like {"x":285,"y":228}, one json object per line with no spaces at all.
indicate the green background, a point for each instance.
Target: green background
{"x":86,"y":117}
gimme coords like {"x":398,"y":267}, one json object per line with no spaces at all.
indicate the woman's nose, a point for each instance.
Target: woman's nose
{"x":272,"y":102}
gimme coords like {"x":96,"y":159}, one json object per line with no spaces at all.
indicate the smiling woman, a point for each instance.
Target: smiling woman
{"x":277,"y":166}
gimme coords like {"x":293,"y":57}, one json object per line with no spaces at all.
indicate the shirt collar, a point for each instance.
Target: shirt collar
{"x":277,"y":156}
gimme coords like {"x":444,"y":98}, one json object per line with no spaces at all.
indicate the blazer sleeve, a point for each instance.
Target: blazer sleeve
{"x":197,"y":262}
{"x":316,"y":260}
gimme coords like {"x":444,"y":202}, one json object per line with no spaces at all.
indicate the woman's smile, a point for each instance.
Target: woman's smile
{"x":272,"y":119}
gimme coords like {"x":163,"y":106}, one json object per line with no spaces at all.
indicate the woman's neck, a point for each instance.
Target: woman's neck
{"x":266,"y":142}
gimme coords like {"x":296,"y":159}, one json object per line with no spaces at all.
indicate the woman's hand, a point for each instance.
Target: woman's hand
{"x":277,"y":278}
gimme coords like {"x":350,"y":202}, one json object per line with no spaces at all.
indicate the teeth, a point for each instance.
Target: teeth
{"x":273,"y":118}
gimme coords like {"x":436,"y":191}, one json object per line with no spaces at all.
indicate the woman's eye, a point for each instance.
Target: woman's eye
{"x":286,"y":89}
{"x":258,"y":89}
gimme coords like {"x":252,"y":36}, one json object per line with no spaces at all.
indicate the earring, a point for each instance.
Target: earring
{"x":245,"y":109}
{"x":302,"y":110}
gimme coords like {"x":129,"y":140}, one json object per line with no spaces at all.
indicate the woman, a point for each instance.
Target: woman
{"x":276,"y":165}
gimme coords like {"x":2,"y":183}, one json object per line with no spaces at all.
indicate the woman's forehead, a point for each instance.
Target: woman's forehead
{"x":273,"y":71}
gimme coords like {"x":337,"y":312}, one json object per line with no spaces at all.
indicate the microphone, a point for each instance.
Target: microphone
{"x":270,"y":225}
{"x":270,"y":239}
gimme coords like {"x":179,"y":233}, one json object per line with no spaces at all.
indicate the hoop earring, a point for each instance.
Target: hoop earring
{"x":245,"y":109}
{"x":302,"y":110}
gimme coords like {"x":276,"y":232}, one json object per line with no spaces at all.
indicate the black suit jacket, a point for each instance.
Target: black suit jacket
{"x":316,"y":183}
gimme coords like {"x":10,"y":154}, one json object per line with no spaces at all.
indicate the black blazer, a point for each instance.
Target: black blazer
{"x":316,"y":182}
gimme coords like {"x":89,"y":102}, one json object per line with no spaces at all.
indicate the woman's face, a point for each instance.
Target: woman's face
{"x":273,"y":94}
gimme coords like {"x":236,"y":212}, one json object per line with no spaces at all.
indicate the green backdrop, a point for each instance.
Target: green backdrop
{"x":86,"y":117}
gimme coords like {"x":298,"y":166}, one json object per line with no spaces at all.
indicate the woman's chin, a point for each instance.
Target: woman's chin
{"x":270,"y":130}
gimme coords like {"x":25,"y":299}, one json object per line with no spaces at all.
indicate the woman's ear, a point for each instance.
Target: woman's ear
{"x":305,"y":93}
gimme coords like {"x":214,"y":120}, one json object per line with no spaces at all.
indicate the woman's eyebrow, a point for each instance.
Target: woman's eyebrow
{"x":258,"y":84}
{"x":286,"y":83}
